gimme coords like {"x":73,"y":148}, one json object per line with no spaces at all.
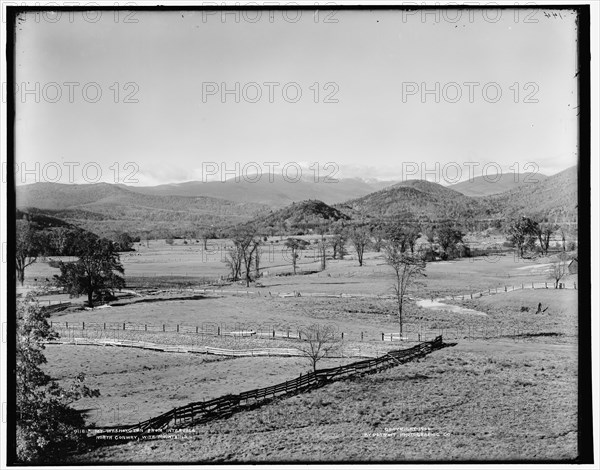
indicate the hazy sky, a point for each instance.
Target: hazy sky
{"x":371,"y":65}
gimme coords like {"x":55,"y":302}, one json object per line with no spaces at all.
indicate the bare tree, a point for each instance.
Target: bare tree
{"x":257,"y":255}
{"x":360,"y":238}
{"x":318,"y":341}
{"x":407,"y":267}
{"x":233,"y":260}
{"x":247,"y":241}
{"x":27,"y":247}
{"x":322,"y":247}
{"x":559,"y":270}
{"x":563,"y":237}
{"x":544,"y":231}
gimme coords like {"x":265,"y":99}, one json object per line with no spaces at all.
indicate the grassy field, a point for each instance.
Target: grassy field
{"x":483,"y":400}
{"x":136,"y":384}
{"x":193,"y":264}
{"x":369,"y":317}
{"x":511,"y":396}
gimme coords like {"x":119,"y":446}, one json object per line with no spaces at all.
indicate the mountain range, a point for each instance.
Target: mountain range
{"x":178,"y":208}
{"x":271,"y":189}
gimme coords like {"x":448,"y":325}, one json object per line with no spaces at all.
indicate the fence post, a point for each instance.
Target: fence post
{"x":342,"y":335}
{"x":522,"y":286}
{"x":218,"y":331}
{"x":471,"y":295}
{"x":145,"y":327}
{"x":575,"y":285}
{"x":361,"y":336}
{"x":163,"y":328}
{"x":532,"y":286}
{"x":66,"y":324}
{"x":50,"y":324}
{"x":505,"y":289}
{"x":196,"y":330}
{"x":382,"y":337}
{"x":177,"y":328}
{"x":83,"y":325}
{"x":273,"y":332}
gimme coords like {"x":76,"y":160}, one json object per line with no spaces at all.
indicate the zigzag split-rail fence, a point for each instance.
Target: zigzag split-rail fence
{"x":222,"y":407}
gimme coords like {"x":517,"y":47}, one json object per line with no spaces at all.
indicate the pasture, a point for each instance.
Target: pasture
{"x":480,"y":400}
{"x":506,"y":390}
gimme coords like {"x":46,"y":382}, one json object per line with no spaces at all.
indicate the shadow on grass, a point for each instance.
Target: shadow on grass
{"x":160,"y":299}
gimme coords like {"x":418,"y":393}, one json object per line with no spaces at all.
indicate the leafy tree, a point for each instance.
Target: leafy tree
{"x":448,"y":237}
{"x":360,"y":238}
{"x":28,"y":247}
{"x":205,"y":235}
{"x":429,"y":233}
{"x":407,"y":267}
{"x":97,"y":271}
{"x":60,"y":240}
{"x":295,"y":245}
{"x":123,"y":241}
{"x":378,"y":234}
{"x":521,"y":233}
{"x":46,"y":424}
{"x":318,"y":341}
{"x":412,"y":234}
{"x":402,"y":234}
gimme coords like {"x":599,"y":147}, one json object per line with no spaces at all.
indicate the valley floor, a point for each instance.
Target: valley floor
{"x":507,"y":390}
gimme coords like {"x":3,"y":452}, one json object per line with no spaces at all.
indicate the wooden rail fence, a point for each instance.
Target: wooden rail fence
{"x":204,"y":411}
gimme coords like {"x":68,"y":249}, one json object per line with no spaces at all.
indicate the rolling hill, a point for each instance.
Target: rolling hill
{"x":483,"y":186}
{"x":554,"y":197}
{"x":104,"y":208}
{"x":414,"y":200}
{"x":298,"y":218}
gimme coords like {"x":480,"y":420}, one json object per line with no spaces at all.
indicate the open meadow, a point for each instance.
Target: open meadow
{"x":504,"y":391}
{"x":482,"y":400}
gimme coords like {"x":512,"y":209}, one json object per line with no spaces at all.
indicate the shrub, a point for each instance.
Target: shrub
{"x":46,"y":424}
